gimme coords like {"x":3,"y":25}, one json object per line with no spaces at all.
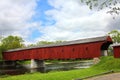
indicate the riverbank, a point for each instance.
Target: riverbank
{"x":106,"y":64}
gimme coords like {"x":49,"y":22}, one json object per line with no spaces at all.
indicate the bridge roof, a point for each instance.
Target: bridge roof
{"x":115,"y":45}
{"x":80,"y":41}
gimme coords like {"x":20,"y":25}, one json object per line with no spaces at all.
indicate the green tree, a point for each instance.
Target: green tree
{"x":48,"y":42}
{"x":115,"y":34}
{"x":100,"y":4}
{"x":0,"y":49}
{"x":11,"y":42}
{"x":31,"y":45}
{"x":44,"y":42}
{"x":59,"y":41}
{"x":0,"y":53}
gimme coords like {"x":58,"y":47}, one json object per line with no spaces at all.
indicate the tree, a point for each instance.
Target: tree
{"x":31,"y":45}
{"x":115,"y":34}
{"x":0,"y":49}
{"x":11,"y":42}
{"x":45,"y":43}
{"x":48,"y":42}
{"x":100,"y":4}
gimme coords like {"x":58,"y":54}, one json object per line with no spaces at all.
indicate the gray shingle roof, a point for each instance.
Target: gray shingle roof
{"x":114,"y":45}
{"x":80,"y":41}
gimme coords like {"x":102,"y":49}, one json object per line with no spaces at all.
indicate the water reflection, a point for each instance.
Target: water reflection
{"x":22,"y":69}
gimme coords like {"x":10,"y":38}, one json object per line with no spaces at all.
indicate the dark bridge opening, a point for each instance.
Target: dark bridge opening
{"x":104,"y":48}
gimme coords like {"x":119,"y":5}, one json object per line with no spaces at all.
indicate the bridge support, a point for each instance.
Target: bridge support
{"x":37,"y":65}
{"x":6,"y":67}
{"x":9,"y":64}
{"x":104,"y":53}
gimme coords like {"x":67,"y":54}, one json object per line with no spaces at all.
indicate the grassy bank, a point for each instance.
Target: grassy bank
{"x":106,"y":64}
{"x":62,"y":75}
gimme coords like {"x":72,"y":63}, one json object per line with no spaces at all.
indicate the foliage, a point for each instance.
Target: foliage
{"x":100,"y":4}
{"x":24,"y":62}
{"x":44,"y":43}
{"x":1,"y":38}
{"x":31,"y":45}
{"x":110,"y":51}
{"x":115,"y":34}
{"x":0,"y":53}
{"x":47,"y":42}
{"x":11,"y":42}
{"x":0,"y":48}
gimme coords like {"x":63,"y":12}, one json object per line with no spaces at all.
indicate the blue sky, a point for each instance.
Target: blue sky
{"x":40,"y":16}
{"x":42,"y":6}
{"x":50,"y":20}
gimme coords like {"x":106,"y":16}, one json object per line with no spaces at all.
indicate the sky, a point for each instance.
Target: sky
{"x":51,"y":20}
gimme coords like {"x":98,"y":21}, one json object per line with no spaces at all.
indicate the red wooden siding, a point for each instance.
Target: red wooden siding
{"x":116,"y":50}
{"x":78,"y":51}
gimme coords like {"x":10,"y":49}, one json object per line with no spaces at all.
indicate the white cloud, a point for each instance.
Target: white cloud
{"x":15,"y":16}
{"x":75,"y":20}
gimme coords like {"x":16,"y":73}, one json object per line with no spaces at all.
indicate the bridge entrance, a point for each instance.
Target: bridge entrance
{"x":104,"y":48}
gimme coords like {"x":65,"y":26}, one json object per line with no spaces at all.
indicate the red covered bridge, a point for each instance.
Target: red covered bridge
{"x":78,"y":49}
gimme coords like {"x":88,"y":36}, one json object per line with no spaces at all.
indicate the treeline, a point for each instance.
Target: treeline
{"x":13,"y":42}
{"x":44,"y":43}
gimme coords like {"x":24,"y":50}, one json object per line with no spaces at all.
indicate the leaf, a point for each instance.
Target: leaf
{"x":82,"y":1}
{"x":90,"y":6}
{"x":96,"y":4}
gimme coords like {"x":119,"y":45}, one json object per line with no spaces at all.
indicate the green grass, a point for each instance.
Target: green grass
{"x":62,"y":75}
{"x":106,"y":64}
{"x":24,"y":62}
